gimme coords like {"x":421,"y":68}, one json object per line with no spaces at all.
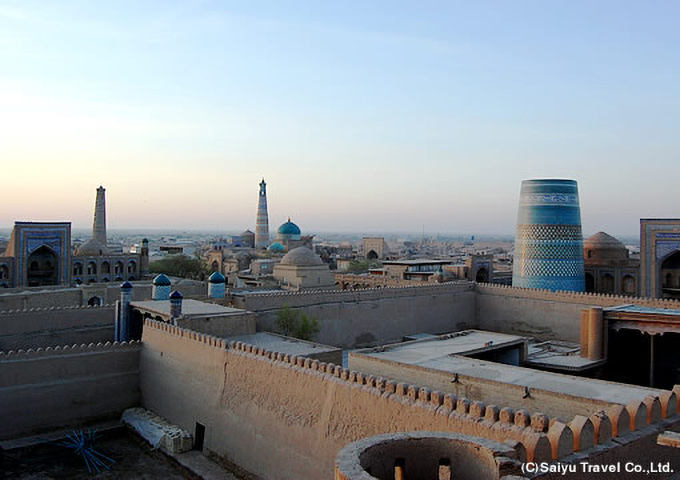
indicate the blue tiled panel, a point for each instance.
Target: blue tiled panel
{"x":549,"y":241}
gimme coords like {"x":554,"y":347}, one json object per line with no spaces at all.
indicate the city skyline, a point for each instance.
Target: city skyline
{"x":375,"y":118}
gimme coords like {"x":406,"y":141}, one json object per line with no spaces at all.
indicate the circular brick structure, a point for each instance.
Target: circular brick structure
{"x":426,"y":455}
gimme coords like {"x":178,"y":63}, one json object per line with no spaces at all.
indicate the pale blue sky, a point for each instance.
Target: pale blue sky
{"x":363,"y":116}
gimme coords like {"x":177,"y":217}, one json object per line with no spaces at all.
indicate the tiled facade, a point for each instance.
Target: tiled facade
{"x":549,"y":242}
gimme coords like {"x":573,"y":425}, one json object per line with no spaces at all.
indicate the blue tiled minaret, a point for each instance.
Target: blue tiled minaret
{"x":549,"y":242}
{"x":262,"y":224}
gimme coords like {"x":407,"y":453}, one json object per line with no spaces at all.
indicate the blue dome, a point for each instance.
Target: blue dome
{"x":175,"y":295}
{"x":126,"y":286}
{"x":162,"y":281}
{"x":289,"y":228}
{"x":276,"y":247}
{"x":216,"y":277}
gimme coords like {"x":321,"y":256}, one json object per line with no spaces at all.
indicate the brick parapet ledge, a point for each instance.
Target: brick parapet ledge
{"x":456,"y":285}
{"x":52,"y":309}
{"x":70,"y":350}
{"x":599,"y":299}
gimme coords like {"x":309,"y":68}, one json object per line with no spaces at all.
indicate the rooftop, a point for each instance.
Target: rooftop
{"x":559,"y":355}
{"x":416,"y":262}
{"x":447,"y":356}
{"x":283,"y":344}
{"x":467,"y":342}
{"x":190,"y":308}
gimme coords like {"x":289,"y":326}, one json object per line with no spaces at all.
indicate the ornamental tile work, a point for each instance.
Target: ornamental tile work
{"x":549,"y":241}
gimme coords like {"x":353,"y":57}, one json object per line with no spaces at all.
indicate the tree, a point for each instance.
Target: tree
{"x":181,"y":266}
{"x":356,"y":266}
{"x":297,"y":324}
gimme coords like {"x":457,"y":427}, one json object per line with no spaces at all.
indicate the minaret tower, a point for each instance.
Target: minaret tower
{"x":262,"y":224}
{"x":99,"y":225}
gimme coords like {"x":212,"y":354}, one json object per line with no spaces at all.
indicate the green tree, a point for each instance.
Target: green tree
{"x":181,"y":266}
{"x":361,"y":266}
{"x":297,"y":324}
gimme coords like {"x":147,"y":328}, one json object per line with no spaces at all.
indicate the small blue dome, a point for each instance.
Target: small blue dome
{"x":216,"y":277}
{"x":162,"y":281}
{"x":126,"y":286}
{"x":289,"y":228}
{"x":175,"y":295}
{"x":276,"y":247}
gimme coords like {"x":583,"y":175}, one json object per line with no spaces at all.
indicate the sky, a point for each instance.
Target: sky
{"x":374,"y":116}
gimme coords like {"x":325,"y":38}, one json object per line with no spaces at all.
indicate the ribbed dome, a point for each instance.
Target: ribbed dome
{"x":602,"y":239}
{"x":301,"y":257}
{"x":216,"y":277}
{"x":289,"y":228}
{"x":276,"y":247}
{"x":92,"y":247}
{"x":162,"y":281}
{"x":603,"y":246}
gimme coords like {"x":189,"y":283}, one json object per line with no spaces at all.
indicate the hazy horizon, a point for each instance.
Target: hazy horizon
{"x":380,"y":117}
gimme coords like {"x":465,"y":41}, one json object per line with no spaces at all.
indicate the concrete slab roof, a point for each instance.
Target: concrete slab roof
{"x":190,"y":308}
{"x":447,"y":355}
{"x":416,"y":262}
{"x":468,"y":342}
{"x":283,"y":344}
{"x":643,"y":310}
{"x":559,"y":355}
{"x":555,"y":382}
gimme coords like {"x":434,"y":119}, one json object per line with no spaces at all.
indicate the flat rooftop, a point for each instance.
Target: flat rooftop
{"x":282,"y":344}
{"x":559,"y":355}
{"x":447,"y":356}
{"x":190,"y":308}
{"x":421,"y":351}
{"x":416,"y":262}
{"x":643,"y":310}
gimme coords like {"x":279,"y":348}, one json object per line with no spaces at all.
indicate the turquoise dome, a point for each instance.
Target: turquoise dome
{"x":216,"y":277}
{"x":289,"y":228}
{"x":276,"y":247}
{"x":162,"y":281}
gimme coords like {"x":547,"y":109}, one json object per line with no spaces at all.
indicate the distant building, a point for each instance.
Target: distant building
{"x":419,"y":270}
{"x":262,"y":223}
{"x":289,"y":236}
{"x":302,"y":269}
{"x":40,"y":254}
{"x":660,"y":257}
{"x":477,"y":268}
{"x":608,"y":266}
{"x":374,"y":248}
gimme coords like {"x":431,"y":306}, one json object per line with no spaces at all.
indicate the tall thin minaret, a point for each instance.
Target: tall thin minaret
{"x":262,"y":224}
{"x":99,"y":225}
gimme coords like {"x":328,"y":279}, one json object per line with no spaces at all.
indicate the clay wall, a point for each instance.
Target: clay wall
{"x":49,"y":327}
{"x":282,"y":416}
{"x":221,"y":326}
{"x":46,"y":297}
{"x":373,"y":316}
{"x":67,"y":386}
{"x":544,"y":314}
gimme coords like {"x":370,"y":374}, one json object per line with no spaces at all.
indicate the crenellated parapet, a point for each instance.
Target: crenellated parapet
{"x":264,"y":301}
{"x":538,"y":436}
{"x":70,"y":350}
{"x":74,"y":308}
{"x":585,"y":298}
